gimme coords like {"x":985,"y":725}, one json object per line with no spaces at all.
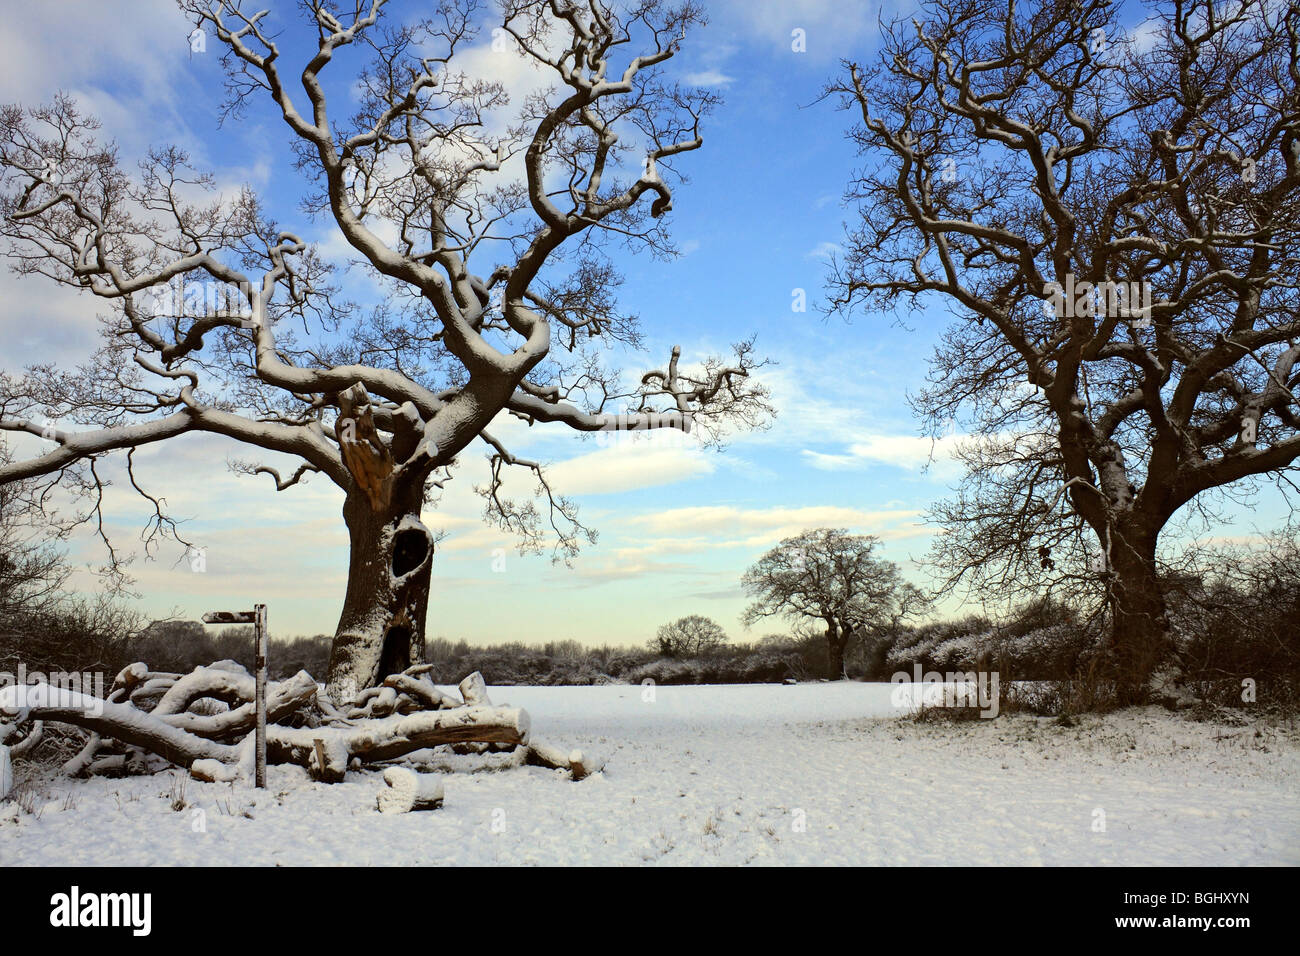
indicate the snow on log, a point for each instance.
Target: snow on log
{"x":584,"y":765}
{"x":326,"y":751}
{"x":81,"y":762}
{"x":580,"y":764}
{"x":116,"y":763}
{"x":388,"y":738}
{"x":6,"y":772}
{"x":327,"y":706}
{"x":282,"y":699}
{"x":408,"y":790}
{"x":119,"y":721}
{"x":474,"y":689}
{"x":214,"y":771}
{"x":219,"y":683}
{"x":423,"y":691}
{"x":146,"y":695}
{"x":374,"y":702}
{"x":130,"y":676}
{"x":29,"y":743}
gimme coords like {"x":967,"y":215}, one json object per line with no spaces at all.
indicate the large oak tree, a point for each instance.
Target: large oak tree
{"x":1021,"y":156}
{"x":487,"y":222}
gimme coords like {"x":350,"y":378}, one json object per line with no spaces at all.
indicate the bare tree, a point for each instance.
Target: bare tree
{"x":1114,"y":225}
{"x":382,"y":403}
{"x":32,"y":570}
{"x":688,"y":637}
{"x":834,"y":577}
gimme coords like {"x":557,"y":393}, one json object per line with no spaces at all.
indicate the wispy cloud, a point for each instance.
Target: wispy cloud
{"x":736,"y":526}
{"x":627,"y":466}
{"x":830,"y":28}
{"x":825,"y":251}
{"x":707,"y":78}
{"x":910,"y":452}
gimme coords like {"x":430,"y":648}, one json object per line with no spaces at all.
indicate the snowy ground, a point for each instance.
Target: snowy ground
{"x":765,"y":774}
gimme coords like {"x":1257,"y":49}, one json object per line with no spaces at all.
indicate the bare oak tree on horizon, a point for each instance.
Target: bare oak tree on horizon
{"x":1115,"y":225}
{"x":828,"y":577}
{"x":382,"y":403}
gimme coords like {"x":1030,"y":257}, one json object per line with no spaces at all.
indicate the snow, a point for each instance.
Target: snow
{"x":17,"y":698}
{"x":758,"y":774}
{"x":408,"y":790}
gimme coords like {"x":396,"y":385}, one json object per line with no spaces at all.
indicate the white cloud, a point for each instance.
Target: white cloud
{"x":832,"y":28}
{"x":45,"y":322}
{"x":901,"y":451}
{"x":708,"y":78}
{"x":1145,"y":35}
{"x":134,"y":72}
{"x":635,"y":463}
{"x":742,"y":525}
{"x":825,"y":251}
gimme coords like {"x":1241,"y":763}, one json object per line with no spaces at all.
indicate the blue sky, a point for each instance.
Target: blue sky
{"x":677,"y":524}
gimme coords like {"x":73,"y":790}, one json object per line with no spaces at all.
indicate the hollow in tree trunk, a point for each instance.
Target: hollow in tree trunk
{"x":381,"y":629}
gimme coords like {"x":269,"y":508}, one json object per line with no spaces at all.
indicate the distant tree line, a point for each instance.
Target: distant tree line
{"x":1237,"y":620}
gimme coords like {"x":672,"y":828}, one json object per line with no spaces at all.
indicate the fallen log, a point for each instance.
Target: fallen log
{"x":408,"y":791}
{"x":474,"y":689}
{"x":579,"y":764}
{"x":282,"y":699}
{"x":82,"y":762}
{"x":30,"y":742}
{"x":422,"y":691}
{"x":388,"y":738}
{"x":220,"y":683}
{"x":120,"y":721}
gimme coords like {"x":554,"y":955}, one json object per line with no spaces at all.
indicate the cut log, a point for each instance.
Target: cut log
{"x":408,"y":790}
{"x":129,"y":677}
{"x":579,"y":764}
{"x":474,"y":689}
{"x":584,"y":765}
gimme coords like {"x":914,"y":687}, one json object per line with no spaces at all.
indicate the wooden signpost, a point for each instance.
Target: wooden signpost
{"x":6,"y":772}
{"x":256,"y":617}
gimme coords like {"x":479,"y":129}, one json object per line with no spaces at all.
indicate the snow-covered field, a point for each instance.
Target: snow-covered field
{"x":764,"y":774}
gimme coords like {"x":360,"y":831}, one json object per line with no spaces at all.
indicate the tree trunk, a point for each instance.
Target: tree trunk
{"x":381,"y":629}
{"x":836,"y":639}
{"x":1140,"y":635}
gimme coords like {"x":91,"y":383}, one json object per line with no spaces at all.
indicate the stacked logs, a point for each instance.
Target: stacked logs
{"x":204,"y":721}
